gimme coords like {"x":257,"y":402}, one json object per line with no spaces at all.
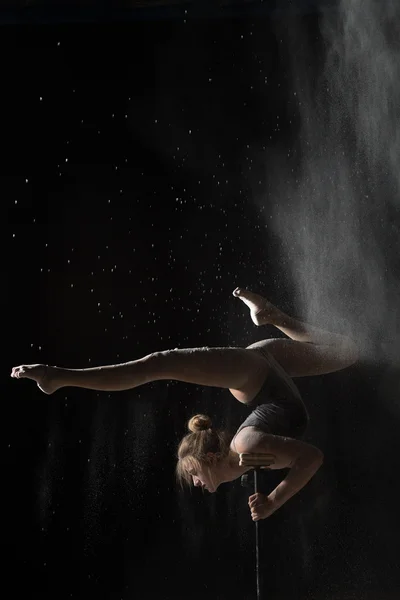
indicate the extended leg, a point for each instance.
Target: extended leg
{"x":219,"y":367}
{"x":309,"y":351}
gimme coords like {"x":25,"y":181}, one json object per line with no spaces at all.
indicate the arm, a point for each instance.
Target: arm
{"x":301,"y":458}
{"x":301,"y":471}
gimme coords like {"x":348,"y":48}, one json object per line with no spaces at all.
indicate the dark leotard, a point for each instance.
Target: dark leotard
{"x":278,"y":408}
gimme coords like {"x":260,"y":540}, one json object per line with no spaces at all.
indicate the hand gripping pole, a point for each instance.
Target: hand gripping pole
{"x":257,"y":461}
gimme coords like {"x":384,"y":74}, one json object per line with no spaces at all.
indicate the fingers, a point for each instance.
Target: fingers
{"x":256,"y":500}
{"x":254,"y":496}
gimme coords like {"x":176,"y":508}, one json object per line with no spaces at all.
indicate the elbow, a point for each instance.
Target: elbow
{"x":315,"y":457}
{"x":311,"y":459}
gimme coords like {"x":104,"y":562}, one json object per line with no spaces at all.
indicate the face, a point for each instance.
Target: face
{"x":203,"y":477}
{"x":208,"y":476}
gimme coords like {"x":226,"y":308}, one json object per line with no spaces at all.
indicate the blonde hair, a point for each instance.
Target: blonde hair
{"x":194,"y":447}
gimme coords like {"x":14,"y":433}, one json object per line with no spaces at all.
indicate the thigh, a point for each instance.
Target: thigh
{"x":301,"y":359}
{"x":235,"y":368}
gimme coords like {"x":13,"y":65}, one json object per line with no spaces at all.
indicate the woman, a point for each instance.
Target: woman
{"x":258,"y":376}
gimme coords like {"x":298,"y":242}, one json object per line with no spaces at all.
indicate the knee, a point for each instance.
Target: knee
{"x":151,"y":366}
{"x":350,"y":353}
{"x":159,"y":363}
{"x":354,"y":352}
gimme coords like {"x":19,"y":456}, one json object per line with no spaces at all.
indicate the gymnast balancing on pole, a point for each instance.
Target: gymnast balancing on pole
{"x":259,"y":376}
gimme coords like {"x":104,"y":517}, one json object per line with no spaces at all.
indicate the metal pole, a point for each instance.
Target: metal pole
{"x":257,"y":461}
{"x":258,"y":574}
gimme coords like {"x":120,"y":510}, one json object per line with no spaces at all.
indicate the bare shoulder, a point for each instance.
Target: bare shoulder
{"x":248,"y":438}
{"x":252,"y":440}
{"x":286,"y":450}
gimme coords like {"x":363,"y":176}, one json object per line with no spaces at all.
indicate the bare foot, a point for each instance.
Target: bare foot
{"x":42,"y":374}
{"x":262,"y":312}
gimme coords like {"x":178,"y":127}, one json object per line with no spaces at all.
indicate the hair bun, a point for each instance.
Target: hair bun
{"x":199,"y":423}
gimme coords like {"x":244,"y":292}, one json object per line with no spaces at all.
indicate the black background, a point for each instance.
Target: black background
{"x":149,"y":168}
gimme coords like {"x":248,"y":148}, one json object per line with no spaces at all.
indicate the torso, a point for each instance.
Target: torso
{"x":277,"y":389}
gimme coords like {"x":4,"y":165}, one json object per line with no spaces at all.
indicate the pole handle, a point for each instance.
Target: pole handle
{"x":257,"y":460}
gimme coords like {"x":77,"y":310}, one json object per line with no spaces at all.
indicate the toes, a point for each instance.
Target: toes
{"x":242,"y":293}
{"x":17,"y":372}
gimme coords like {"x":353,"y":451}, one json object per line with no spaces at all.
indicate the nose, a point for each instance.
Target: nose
{"x":196,"y":481}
